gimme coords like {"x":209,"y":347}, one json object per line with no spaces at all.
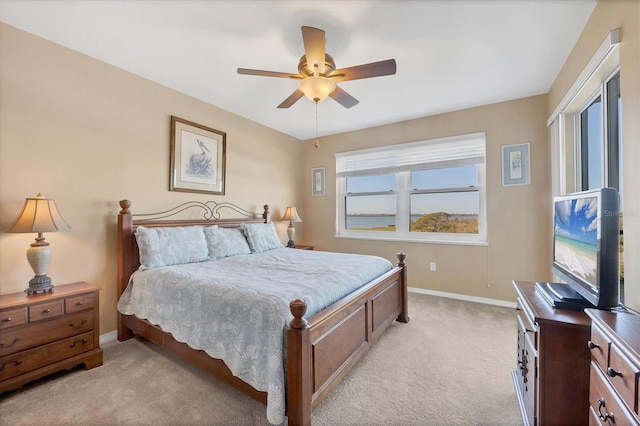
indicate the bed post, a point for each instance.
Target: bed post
{"x":404,"y":313}
{"x":125,"y":234}
{"x":299,"y":378}
{"x":265,"y":214}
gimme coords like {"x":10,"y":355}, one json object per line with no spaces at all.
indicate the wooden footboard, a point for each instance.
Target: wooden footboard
{"x":320,"y":349}
{"x":323,"y":349}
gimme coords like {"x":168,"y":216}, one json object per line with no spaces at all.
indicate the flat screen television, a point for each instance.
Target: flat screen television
{"x":586,"y":246}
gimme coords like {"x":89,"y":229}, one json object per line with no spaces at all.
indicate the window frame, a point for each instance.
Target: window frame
{"x":403,"y":192}
{"x":565,"y":138}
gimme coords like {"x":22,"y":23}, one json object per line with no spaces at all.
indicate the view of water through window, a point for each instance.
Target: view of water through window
{"x":441,"y":200}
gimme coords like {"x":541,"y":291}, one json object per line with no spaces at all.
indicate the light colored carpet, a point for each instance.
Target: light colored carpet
{"x":450,"y":365}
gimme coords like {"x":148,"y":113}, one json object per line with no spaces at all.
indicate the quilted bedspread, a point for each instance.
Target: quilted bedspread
{"x":237,"y":308}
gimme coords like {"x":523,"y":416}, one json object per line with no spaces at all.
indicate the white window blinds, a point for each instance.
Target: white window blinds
{"x":432,"y":154}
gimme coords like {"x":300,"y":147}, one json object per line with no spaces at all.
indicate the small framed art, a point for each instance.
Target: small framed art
{"x":198,"y":156}
{"x":516,"y":165}
{"x":317,"y":181}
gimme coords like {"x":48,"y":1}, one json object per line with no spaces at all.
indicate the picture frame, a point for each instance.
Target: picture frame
{"x":198,"y":158}
{"x":516,"y":164}
{"x":317,"y":181}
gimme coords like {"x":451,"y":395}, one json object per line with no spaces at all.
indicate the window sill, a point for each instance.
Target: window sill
{"x":414,"y":240}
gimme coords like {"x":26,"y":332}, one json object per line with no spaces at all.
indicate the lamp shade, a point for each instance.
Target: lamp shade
{"x":316,"y":88}
{"x":291,"y":214}
{"x":39,"y":214}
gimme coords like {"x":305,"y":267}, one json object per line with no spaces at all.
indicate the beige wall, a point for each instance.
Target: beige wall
{"x":609,"y":15}
{"x":88,"y":134}
{"x":519,"y":217}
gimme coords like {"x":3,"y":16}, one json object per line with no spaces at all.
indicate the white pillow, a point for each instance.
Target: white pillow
{"x":171,"y":246}
{"x":225,"y":242}
{"x":261,"y":236}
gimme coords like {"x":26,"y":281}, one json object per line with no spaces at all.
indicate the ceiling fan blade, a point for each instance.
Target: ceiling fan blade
{"x":292,"y":99}
{"x":248,"y":71}
{"x":374,"y":69}
{"x":343,"y":98}
{"x":314,"y":48}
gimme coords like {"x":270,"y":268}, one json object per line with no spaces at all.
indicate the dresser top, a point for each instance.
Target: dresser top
{"x":63,"y":290}
{"x":542,"y":312}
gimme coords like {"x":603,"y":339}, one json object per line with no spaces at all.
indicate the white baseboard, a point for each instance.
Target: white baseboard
{"x":108,"y":337}
{"x":113,"y":335}
{"x":464,"y":297}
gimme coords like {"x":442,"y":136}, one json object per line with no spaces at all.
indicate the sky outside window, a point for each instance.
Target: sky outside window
{"x":450,"y":177}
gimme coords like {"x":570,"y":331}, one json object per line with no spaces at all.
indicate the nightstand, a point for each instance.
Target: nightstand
{"x":45,"y":333}
{"x":301,"y":247}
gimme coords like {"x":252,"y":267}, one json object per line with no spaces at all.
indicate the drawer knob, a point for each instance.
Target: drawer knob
{"x":613,"y":373}
{"x":5,"y":345}
{"x":604,"y":417}
{"x":592,"y":345}
{"x":46,"y":311}
{"x":80,"y":303}
{"x":7,"y":319}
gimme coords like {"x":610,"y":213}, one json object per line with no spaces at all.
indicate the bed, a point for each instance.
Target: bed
{"x":316,"y":338}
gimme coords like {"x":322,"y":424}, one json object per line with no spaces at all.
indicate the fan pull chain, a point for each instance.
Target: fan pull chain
{"x":317,"y":144}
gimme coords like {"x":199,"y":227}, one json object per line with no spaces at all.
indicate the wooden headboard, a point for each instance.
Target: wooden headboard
{"x":128,"y":254}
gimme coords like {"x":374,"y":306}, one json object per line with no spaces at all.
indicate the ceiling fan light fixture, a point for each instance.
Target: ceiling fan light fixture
{"x":317,"y":88}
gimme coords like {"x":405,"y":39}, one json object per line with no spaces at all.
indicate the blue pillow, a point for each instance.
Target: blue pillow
{"x":225,"y":242}
{"x":171,"y":246}
{"x":261,"y":236}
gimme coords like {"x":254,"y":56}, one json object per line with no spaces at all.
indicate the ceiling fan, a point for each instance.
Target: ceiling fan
{"x":318,"y":75}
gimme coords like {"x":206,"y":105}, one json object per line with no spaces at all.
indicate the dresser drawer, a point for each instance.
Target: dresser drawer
{"x":526,"y":323}
{"x":44,"y":311}
{"x":78,"y":303}
{"x":13,"y":317}
{"x":599,"y":347}
{"x":606,"y":406}
{"x":28,"y":337}
{"x":23,"y":362}
{"x":623,"y":376}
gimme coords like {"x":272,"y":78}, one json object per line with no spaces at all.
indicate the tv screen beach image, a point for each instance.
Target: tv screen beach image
{"x":576,"y":237}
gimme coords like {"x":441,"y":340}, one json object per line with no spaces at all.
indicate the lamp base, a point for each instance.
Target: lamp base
{"x":39,"y":284}
{"x":291,"y":231}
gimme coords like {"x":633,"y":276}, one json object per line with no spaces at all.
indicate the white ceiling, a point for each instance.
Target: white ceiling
{"x":450,"y":54}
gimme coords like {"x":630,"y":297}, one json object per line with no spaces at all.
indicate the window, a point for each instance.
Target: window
{"x":586,"y":131}
{"x":423,"y":191}
{"x":598,"y":139}
{"x":599,"y":144}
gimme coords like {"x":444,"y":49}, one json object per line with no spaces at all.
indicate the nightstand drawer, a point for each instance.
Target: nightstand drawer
{"x":13,"y":317}
{"x":45,"y":311}
{"x":29,"y":337}
{"x":79,"y":303}
{"x":23,"y":362}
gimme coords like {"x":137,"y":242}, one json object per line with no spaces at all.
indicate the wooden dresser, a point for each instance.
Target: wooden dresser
{"x":44,"y":333}
{"x":615,"y":368}
{"x":552,"y":366}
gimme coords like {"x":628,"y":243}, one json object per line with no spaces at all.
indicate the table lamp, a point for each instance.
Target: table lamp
{"x":292,"y":216}
{"x":39,"y":215}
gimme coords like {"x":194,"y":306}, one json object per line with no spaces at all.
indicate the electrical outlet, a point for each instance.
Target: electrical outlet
{"x":432,"y":266}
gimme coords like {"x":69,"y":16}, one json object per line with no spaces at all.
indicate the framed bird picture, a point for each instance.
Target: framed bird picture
{"x":197,"y":158}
